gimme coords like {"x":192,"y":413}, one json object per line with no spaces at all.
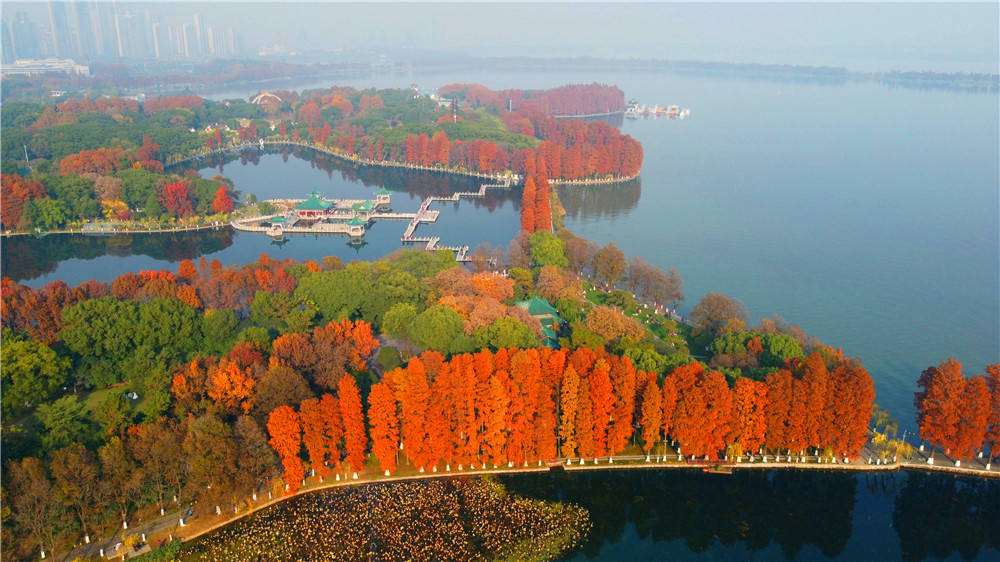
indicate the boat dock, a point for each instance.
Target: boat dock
{"x":318,"y":215}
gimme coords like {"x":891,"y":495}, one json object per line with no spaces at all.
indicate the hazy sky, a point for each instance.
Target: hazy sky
{"x":886,"y":36}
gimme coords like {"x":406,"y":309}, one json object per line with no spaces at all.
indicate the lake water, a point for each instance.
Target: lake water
{"x":867,"y":215}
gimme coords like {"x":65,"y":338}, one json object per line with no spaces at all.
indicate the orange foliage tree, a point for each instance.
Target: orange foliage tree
{"x":384,"y":426}
{"x":16,"y":192}
{"x":355,"y":439}
{"x":232,"y":388}
{"x":102,"y":161}
{"x":285,"y":429}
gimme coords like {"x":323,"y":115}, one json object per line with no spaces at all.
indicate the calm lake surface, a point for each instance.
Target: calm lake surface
{"x":866,"y":215}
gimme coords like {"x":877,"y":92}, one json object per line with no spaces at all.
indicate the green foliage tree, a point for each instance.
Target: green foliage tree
{"x":220,"y":331}
{"x":548,"y":249}
{"x":730,"y":343}
{"x":255,"y":335}
{"x":397,"y":320}
{"x":31,"y":372}
{"x":114,"y":413}
{"x":64,"y":421}
{"x":778,"y":348}
{"x":435,"y":328}
{"x":46,"y":213}
{"x":505,"y":332}
{"x":580,"y":336}
{"x":524,"y":282}
{"x":101,"y":333}
{"x":169,"y":326}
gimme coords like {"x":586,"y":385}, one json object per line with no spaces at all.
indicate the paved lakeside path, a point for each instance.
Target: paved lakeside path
{"x":199,"y":525}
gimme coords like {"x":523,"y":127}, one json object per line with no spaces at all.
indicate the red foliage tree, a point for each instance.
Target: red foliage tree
{"x":285,"y":429}
{"x":174,"y":199}
{"x":528,"y":206}
{"x":101,"y":161}
{"x":748,"y":422}
{"x":651,"y":418}
{"x":16,"y":192}
{"x":939,"y":404}
{"x":313,"y":436}
{"x":222,"y":203}
{"x":384,"y":426}
{"x":993,"y":433}
{"x":355,"y":439}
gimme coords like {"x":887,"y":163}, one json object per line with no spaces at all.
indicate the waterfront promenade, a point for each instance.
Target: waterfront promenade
{"x":207,"y":519}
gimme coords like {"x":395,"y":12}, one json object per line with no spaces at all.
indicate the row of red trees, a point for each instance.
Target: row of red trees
{"x":600,"y":152}
{"x":332,"y":429}
{"x":536,"y":197}
{"x":960,"y":414}
{"x":517,"y":407}
{"x":572,"y":149}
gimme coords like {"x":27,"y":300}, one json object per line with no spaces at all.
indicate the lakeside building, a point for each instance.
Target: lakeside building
{"x":30,"y":67}
{"x":540,"y":308}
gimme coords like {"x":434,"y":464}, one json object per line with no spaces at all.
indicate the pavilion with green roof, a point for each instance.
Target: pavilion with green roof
{"x":312,"y":207}
{"x":362,"y":207}
{"x":547,"y":315}
{"x":382,"y":196}
{"x":356,"y":227}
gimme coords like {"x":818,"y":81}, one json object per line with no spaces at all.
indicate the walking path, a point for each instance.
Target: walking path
{"x":169,"y":525}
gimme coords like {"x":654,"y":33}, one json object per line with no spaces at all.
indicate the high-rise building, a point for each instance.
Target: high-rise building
{"x":105,"y":32}
{"x":130,"y":35}
{"x":197,"y":35}
{"x":7,"y":47}
{"x":210,"y":40}
{"x":86,"y":45}
{"x":189,"y":40}
{"x":25,"y":37}
{"x":62,"y":41}
{"x":159,"y":42}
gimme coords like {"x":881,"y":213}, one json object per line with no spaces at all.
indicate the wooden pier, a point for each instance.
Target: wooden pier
{"x":345,"y":217}
{"x":432,"y":243}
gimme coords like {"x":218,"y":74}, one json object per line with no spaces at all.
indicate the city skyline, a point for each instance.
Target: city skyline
{"x":88,"y":30}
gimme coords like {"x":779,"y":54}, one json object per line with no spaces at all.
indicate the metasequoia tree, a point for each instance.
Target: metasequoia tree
{"x":355,"y":439}
{"x":285,"y":429}
{"x":384,"y":424}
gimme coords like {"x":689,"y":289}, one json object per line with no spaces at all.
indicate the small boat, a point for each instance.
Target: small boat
{"x":275,"y":231}
{"x":718,"y":469}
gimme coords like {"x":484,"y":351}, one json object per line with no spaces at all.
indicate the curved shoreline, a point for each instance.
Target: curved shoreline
{"x":357,"y":160}
{"x":277,"y":141}
{"x":331,"y":484}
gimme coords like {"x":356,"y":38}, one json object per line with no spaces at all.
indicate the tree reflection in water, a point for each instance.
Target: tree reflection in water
{"x":599,"y":201}
{"x":27,"y":257}
{"x":756,"y":508}
{"x":937,"y":515}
